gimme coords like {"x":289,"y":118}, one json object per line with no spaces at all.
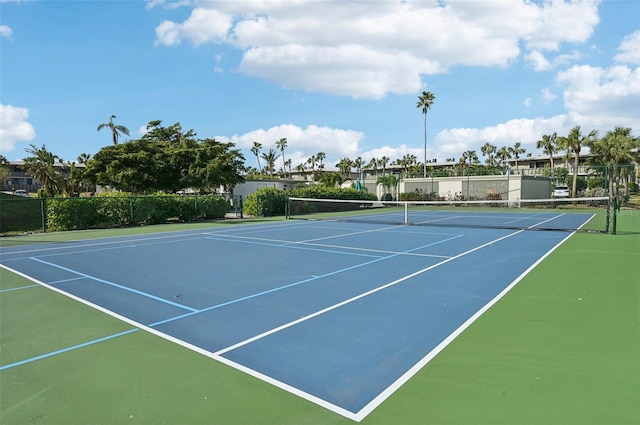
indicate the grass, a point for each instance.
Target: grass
{"x":561,"y":348}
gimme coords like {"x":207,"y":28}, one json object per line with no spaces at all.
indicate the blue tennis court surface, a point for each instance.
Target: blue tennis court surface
{"x":341,"y":314}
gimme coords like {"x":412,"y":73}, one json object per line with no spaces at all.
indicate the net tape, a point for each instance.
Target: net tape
{"x":570,"y":214}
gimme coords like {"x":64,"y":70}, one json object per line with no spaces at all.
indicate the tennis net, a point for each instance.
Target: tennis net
{"x":584,"y":214}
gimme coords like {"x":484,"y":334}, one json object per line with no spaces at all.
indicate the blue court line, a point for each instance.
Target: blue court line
{"x":300,"y":282}
{"x":125,"y":288}
{"x":18,"y":288}
{"x":192,"y":310}
{"x":286,"y":244}
{"x":64,"y":350}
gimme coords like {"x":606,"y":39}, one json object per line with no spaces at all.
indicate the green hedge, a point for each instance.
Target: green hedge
{"x":272,"y":201}
{"x":115,"y":210}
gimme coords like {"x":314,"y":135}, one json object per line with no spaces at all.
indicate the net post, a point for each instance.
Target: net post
{"x":406,"y":213}
{"x":614,"y":223}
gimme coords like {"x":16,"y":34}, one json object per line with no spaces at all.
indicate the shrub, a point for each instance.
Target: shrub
{"x":265,"y":201}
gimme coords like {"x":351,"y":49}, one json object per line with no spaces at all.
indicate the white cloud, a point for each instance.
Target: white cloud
{"x":150,"y":4}
{"x":14,"y":127}
{"x":372,"y":49}
{"x":538,"y":61}
{"x":629,"y":50}
{"x":602,"y":97}
{"x":301,"y":142}
{"x":527,"y":102}
{"x":548,"y":96}
{"x":6,"y":32}
{"x":453,"y":142}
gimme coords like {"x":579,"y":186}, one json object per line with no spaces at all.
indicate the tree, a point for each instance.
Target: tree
{"x":270,"y":161}
{"x":344,"y":166}
{"x":574,"y":141}
{"x":116,"y":130}
{"x":617,"y":147}
{"x":489,"y":151}
{"x":320,"y":156}
{"x":281,"y":145}
{"x":83,"y":158}
{"x":255,"y":149}
{"x":166,"y":159}
{"x":516,"y":151}
{"x":41,"y":164}
{"x":387,"y":181}
{"x":549,"y":144}
{"x":358,"y":164}
{"x":383,"y":163}
{"x":4,"y":168}
{"x":424,"y":103}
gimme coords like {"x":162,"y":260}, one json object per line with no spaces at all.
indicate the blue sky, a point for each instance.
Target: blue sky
{"x":339,"y":77}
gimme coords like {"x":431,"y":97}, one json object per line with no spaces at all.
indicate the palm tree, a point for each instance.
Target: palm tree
{"x":116,"y":130}
{"x":301,"y":168}
{"x":42,"y":166}
{"x":503,"y":154}
{"x":320,"y":156}
{"x":617,"y":147}
{"x":358,"y":164}
{"x":471,"y":156}
{"x":281,"y":145}
{"x":255,"y":149}
{"x":270,"y":160}
{"x":287,"y":164}
{"x":574,"y":141}
{"x":549,"y":144}
{"x":488,"y":150}
{"x":344,"y":166}
{"x":312,"y":162}
{"x":383,"y":163}
{"x":516,"y":151}
{"x":424,"y":103}
{"x":83,"y":158}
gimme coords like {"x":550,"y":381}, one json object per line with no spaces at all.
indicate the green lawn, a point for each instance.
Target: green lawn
{"x":561,"y":348}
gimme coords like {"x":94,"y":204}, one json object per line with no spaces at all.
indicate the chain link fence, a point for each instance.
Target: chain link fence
{"x":21,"y":215}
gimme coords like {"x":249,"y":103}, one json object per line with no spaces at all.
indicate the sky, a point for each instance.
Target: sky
{"x":339,"y":77}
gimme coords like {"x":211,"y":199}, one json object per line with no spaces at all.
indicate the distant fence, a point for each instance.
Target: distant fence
{"x":20,"y":215}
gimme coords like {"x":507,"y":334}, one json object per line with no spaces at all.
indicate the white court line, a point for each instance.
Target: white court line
{"x":357,"y":416}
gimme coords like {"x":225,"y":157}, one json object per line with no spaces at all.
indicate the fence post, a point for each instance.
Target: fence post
{"x":131,"y":209}
{"x":43,"y":213}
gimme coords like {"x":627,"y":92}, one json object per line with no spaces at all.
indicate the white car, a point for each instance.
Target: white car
{"x":22,"y":193}
{"x":561,"y":192}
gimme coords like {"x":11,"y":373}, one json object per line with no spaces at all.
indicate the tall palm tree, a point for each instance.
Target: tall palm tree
{"x":270,"y":160}
{"x":281,"y":145}
{"x":425,"y":100}
{"x":383,"y":163}
{"x":312,"y":163}
{"x":574,"y":142}
{"x":489,"y":151}
{"x":358,"y":164}
{"x":116,"y":130}
{"x":255,"y":149}
{"x":549,"y":145}
{"x":320,"y":156}
{"x":617,"y":147}
{"x":516,"y":151}
{"x":503,"y":154}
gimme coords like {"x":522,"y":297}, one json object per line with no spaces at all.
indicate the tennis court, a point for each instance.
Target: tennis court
{"x":341,"y":314}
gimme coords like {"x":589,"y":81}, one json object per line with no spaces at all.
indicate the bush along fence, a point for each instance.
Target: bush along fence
{"x":59,"y":214}
{"x":270,"y":201}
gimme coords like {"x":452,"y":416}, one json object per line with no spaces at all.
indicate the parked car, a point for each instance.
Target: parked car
{"x":561,"y":192}
{"x":21,"y":193}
